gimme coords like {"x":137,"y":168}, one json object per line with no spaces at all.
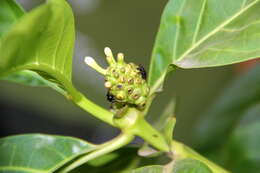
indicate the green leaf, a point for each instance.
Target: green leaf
{"x":168,"y":129}
{"x":218,"y":122}
{"x":41,"y":41}
{"x":190,"y":166}
{"x":37,"y":153}
{"x":242,"y":151}
{"x":28,"y":77}
{"x":159,"y":122}
{"x":149,"y":169}
{"x":124,"y":160}
{"x":166,"y":121}
{"x":203,"y":33}
{"x":9,"y":13}
{"x":180,"y":166}
{"x":120,"y":161}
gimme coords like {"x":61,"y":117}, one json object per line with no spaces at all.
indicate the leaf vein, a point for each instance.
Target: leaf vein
{"x":58,"y":43}
{"x":195,"y":35}
{"x":19,"y":168}
{"x":217,"y":29}
{"x":12,"y":155}
{"x":178,"y":18}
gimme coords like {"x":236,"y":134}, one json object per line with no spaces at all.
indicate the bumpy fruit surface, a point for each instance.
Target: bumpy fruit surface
{"x":126,"y":82}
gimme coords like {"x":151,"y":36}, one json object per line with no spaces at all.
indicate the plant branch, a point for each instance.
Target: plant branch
{"x":94,"y":109}
{"x":116,"y":143}
{"x":143,"y":129}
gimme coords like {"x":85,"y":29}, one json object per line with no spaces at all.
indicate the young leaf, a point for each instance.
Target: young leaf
{"x":168,"y":129}
{"x":37,"y":153}
{"x":42,"y":41}
{"x":205,"y":33}
{"x":166,"y":121}
{"x":159,"y":122}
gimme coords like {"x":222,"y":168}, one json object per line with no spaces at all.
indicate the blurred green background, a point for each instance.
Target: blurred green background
{"x":124,"y":26}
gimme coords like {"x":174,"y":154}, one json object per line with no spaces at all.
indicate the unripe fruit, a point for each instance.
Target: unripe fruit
{"x":129,"y":88}
{"x":126,"y":82}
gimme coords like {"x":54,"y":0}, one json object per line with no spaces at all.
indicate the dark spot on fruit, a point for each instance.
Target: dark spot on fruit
{"x":136,"y":96}
{"x":130,"y":90}
{"x":119,"y":86}
{"x":130,"y":81}
{"x":110,"y":97}
{"x":142,"y":71}
{"x":154,"y":135}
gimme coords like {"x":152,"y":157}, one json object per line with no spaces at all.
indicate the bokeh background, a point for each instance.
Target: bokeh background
{"x":125,"y":26}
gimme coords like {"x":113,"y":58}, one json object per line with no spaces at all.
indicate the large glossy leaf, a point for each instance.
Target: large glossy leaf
{"x":205,"y":33}
{"x":42,"y":41}
{"x":218,"y":122}
{"x":37,"y":153}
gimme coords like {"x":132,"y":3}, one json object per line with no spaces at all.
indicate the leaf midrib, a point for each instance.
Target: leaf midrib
{"x":217,"y":29}
{"x":23,"y":169}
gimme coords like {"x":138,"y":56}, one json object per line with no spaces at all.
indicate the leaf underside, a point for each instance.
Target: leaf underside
{"x":205,"y":33}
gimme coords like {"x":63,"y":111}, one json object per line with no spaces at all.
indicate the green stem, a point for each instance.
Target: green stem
{"x":105,"y":148}
{"x":143,"y":129}
{"x":80,"y":99}
{"x":94,"y":109}
{"x":181,"y":152}
{"x":132,"y":121}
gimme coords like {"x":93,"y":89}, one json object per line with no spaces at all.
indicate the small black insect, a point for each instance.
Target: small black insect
{"x":142,"y":71}
{"x":110,"y":97}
